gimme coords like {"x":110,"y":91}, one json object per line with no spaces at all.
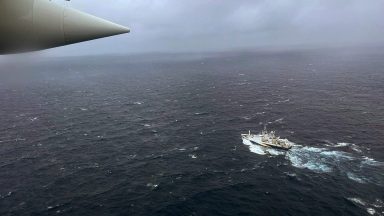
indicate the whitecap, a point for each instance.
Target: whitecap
{"x":290,"y":174}
{"x":371,"y":162}
{"x":341,"y":144}
{"x":284,"y":101}
{"x":329,"y":143}
{"x":201,"y":113}
{"x":151,"y":185}
{"x":357,"y":201}
{"x":6,"y":195}
{"x":280,"y":120}
{"x":371,"y":211}
{"x":378,"y":203}
{"x":356,"y":148}
{"x":355,"y":178}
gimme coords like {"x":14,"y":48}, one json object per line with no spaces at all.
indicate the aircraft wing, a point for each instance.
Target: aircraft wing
{"x":28,"y":25}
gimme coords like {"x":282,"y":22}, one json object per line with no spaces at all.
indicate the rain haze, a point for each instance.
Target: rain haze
{"x":206,"y":108}
{"x":209,"y":25}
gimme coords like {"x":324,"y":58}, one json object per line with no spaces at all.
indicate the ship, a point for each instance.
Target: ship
{"x":268,"y":140}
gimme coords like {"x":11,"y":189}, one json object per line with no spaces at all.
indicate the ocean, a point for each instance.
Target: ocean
{"x":160,"y":134}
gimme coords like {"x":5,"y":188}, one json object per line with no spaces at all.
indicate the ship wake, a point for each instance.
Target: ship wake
{"x":355,"y":167}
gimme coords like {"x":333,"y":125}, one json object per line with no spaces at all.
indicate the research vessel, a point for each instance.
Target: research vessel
{"x":267,"y":139}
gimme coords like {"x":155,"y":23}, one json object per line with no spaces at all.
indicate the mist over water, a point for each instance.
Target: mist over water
{"x":160,"y":135}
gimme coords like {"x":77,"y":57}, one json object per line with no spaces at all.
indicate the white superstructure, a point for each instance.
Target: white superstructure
{"x":267,"y":139}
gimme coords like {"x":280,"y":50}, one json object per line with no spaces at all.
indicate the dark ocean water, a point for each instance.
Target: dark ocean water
{"x":160,"y":135}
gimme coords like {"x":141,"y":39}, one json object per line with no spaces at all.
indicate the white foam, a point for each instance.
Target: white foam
{"x":280,"y":120}
{"x":341,"y":144}
{"x":153,"y":186}
{"x":371,"y":162}
{"x":355,"y":178}
{"x":284,"y":101}
{"x":326,"y":160}
{"x":329,"y":143}
{"x":378,"y":203}
{"x":290,"y":174}
{"x":246,"y":118}
{"x":316,"y":159}
{"x":371,"y":211}
{"x":370,"y":208}
{"x":337,"y":154}
{"x":320,"y":159}
{"x":305,"y":163}
{"x":254,"y":148}
{"x":6,"y":195}
{"x":275,"y":152}
{"x":357,"y":201}
{"x":312,"y":149}
{"x":356,"y":148}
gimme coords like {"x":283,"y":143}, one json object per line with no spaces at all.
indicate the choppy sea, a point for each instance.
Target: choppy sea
{"x":160,"y":134}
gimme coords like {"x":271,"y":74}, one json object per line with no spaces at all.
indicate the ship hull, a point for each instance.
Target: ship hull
{"x":256,"y":140}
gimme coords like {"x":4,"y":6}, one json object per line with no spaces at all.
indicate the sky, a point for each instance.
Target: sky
{"x":223,"y":25}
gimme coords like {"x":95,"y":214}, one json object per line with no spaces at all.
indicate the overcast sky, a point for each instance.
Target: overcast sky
{"x":217,"y":25}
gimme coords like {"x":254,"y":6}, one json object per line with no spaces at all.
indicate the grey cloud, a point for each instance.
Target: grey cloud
{"x":210,"y":25}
